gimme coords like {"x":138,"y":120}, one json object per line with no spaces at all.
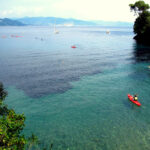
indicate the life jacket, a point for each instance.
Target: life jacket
{"x":135,"y":98}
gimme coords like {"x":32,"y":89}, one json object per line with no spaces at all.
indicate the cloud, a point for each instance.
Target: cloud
{"x":95,"y":9}
{"x":112,"y":10}
{"x":22,"y":11}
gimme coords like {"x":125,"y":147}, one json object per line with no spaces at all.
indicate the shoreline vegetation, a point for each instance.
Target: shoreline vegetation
{"x":142,"y":22}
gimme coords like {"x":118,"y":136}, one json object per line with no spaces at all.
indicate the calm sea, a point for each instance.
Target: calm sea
{"x":77,"y":98}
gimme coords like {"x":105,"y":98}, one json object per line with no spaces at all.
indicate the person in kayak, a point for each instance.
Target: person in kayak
{"x":135,"y":97}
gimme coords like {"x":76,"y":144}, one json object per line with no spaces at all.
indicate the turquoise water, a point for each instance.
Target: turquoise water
{"x":83,"y":92}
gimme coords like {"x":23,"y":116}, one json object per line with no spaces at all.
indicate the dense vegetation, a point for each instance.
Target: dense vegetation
{"x":11,"y":126}
{"x":142,"y":22}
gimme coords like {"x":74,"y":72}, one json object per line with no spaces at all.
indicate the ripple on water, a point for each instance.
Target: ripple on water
{"x":91,"y":113}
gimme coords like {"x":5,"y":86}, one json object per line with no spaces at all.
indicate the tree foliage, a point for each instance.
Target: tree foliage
{"x":11,"y":125}
{"x":139,"y":7}
{"x":3,"y":93}
{"x":142,"y":22}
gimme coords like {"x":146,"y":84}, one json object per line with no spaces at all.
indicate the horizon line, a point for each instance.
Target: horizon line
{"x":64,"y":18}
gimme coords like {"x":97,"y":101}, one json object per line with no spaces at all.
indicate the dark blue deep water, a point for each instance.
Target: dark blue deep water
{"x":77,"y":98}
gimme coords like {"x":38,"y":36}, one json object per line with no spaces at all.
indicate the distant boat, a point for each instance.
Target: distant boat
{"x":4,"y":36}
{"x":107,"y":32}
{"x":16,"y":36}
{"x":55,"y":30}
{"x":73,"y":46}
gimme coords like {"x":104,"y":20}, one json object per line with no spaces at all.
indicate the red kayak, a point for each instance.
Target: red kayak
{"x":133,"y":101}
{"x":73,"y":46}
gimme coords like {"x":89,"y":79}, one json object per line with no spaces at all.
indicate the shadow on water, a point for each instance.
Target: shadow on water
{"x":130,"y":105}
{"x":141,"y":53}
{"x":141,"y":56}
{"x":126,"y":103}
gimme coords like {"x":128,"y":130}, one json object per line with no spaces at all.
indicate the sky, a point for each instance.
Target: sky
{"x":107,"y":10}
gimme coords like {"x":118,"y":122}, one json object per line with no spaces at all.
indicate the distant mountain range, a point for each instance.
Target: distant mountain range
{"x":114,"y":23}
{"x":45,"y":21}
{"x":10,"y":22}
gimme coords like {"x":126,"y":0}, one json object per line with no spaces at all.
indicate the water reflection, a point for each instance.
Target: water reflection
{"x":141,"y":53}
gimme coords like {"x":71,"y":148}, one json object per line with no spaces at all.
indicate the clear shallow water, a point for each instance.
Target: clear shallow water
{"x":77,"y":98}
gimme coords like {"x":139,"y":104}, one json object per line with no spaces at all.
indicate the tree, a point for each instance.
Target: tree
{"x":139,"y":7}
{"x":11,"y":125}
{"x":3,"y":93}
{"x":142,"y":22}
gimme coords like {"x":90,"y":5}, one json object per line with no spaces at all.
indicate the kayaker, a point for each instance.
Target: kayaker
{"x":135,"y":97}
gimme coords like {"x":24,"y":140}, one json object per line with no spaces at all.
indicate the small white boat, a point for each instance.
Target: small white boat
{"x":107,"y":32}
{"x":55,"y":30}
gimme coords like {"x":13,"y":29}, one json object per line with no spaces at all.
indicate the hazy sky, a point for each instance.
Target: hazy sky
{"x":109,"y":10}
